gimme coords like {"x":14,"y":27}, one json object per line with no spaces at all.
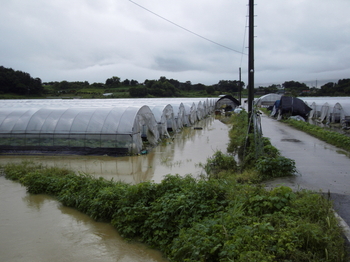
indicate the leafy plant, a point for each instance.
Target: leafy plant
{"x":279,"y":166}
{"x":200,"y":220}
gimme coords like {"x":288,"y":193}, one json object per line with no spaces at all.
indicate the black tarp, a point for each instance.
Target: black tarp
{"x":293,"y":106}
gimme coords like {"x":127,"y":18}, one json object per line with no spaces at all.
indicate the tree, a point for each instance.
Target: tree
{"x":327,"y":89}
{"x":228,"y":86}
{"x":113,"y":81}
{"x":210,"y":90}
{"x":199,"y":87}
{"x":295,"y":88}
{"x":19,"y":82}
{"x":64,"y":85}
{"x":138,"y":91}
{"x":133,"y":82}
{"x":187,"y":86}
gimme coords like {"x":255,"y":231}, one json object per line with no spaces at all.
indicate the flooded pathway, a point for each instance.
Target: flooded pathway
{"x":321,"y":167}
{"x":38,"y":228}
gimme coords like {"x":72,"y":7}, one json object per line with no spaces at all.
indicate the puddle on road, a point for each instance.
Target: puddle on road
{"x":291,"y":140}
{"x":38,"y":228}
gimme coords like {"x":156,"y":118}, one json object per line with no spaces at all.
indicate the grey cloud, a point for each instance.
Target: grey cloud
{"x":93,"y":40}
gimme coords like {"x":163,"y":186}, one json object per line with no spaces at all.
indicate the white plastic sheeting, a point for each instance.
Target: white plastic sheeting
{"x":105,"y":127}
{"x":164,"y":116}
{"x":96,"y":123}
{"x":267,"y":100}
{"x":329,"y":109}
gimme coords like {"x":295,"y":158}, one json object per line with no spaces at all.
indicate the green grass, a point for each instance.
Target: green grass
{"x":331,"y":137}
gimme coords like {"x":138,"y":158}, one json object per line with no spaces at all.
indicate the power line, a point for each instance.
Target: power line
{"x":245,"y":33}
{"x":183,"y":28}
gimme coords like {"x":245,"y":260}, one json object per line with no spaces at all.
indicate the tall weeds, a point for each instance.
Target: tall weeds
{"x":251,"y":167}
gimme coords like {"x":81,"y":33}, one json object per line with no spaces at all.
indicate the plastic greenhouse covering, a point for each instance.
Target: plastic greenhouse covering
{"x":267,"y":100}
{"x":94,"y":126}
{"x":329,"y":109}
{"x":227,"y":102}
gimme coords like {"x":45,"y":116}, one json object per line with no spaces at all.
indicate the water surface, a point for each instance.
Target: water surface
{"x":38,"y":228}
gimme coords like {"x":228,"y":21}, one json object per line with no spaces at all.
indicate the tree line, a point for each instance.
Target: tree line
{"x":294,"y":88}
{"x":21,"y":83}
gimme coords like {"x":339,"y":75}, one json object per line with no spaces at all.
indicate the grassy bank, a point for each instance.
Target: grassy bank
{"x":331,"y":137}
{"x":199,"y":220}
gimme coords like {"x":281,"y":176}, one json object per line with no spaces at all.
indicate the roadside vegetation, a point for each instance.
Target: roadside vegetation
{"x":225,"y":215}
{"x":331,"y":137}
{"x":325,"y":134}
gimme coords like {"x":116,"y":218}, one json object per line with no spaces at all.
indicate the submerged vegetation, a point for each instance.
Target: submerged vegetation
{"x":199,"y":220}
{"x":222,"y":216}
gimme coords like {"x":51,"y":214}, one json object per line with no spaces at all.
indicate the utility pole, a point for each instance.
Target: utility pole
{"x":251,"y":61}
{"x":240,"y":87}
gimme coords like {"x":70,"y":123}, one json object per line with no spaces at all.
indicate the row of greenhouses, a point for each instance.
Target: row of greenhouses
{"x":323,"y":109}
{"x":95,"y":126}
{"x":329,"y":109}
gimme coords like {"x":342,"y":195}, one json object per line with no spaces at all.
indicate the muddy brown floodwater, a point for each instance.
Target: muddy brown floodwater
{"x":38,"y":228}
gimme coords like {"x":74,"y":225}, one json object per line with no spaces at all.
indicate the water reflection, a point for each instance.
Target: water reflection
{"x":38,"y":228}
{"x":179,"y":155}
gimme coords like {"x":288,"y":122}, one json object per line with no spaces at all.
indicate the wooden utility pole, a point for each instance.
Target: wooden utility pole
{"x":240,"y":87}
{"x":251,"y":61}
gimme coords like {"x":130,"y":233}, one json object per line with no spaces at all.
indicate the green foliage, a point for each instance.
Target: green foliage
{"x":138,"y":91}
{"x":18,"y":82}
{"x":271,"y":167}
{"x":266,"y":226}
{"x":335,"y":89}
{"x":220,"y":162}
{"x":238,"y":133}
{"x":267,"y":164}
{"x":331,"y":137}
{"x":200,"y":220}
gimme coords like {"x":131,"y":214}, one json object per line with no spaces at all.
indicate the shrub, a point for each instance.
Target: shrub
{"x":220,"y":162}
{"x":279,"y":166}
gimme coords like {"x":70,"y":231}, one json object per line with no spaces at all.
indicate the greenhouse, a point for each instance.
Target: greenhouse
{"x":94,"y":126}
{"x":228,"y":102}
{"x":267,"y":100}
{"x":112,"y":131}
{"x":329,"y":109}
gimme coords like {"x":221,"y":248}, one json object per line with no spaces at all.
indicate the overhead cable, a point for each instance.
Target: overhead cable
{"x":216,"y":43}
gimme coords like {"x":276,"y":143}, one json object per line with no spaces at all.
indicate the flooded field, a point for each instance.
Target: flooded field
{"x":38,"y":228}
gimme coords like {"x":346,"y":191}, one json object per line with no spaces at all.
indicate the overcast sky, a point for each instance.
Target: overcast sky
{"x":92,"y":40}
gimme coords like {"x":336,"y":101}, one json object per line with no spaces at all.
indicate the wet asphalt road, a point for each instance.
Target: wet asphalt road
{"x":321,"y":167}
